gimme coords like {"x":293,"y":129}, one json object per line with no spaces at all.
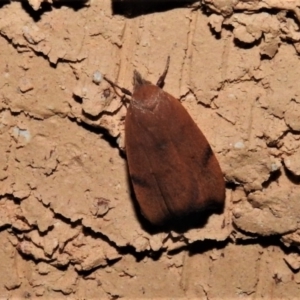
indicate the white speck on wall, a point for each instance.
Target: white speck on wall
{"x":239,"y":145}
{"x":17,"y":132}
{"x":97,"y":77}
{"x":274,"y":167}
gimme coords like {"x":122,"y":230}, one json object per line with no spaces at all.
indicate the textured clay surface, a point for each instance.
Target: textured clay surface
{"x":69,"y":226}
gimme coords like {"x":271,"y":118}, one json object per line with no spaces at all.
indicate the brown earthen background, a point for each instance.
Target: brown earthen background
{"x":69,"y":229}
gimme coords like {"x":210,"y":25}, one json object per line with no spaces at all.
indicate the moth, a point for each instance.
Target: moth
{"x":173,"y":169}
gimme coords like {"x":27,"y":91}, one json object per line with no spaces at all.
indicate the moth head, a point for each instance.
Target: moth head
{"x":138,"y":80}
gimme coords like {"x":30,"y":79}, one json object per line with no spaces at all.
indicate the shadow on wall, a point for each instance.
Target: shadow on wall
{"x":47,"y":7}
{"x":127,"y":8}
{"x":135,"y":8}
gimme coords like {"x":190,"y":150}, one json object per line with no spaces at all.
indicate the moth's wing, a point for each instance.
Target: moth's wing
{"x":197,"y":155}
{"x":139,"y":146}
{"x":173,"y":169}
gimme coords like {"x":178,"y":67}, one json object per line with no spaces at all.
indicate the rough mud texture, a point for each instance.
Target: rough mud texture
{"x":70,"y":228}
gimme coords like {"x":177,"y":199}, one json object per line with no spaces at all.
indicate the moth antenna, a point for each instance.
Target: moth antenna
{"x":114,"y":85}
{"x":161,"y":80}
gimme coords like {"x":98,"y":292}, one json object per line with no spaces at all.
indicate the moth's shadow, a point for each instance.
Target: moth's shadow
{"x":180,"y":225}
{"x":195,"y":220}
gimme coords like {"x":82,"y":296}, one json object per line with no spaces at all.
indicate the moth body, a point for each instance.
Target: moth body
{"x":173,"y":169}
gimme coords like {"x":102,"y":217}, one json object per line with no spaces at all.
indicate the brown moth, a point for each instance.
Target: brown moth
{"x":172,"y":167}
